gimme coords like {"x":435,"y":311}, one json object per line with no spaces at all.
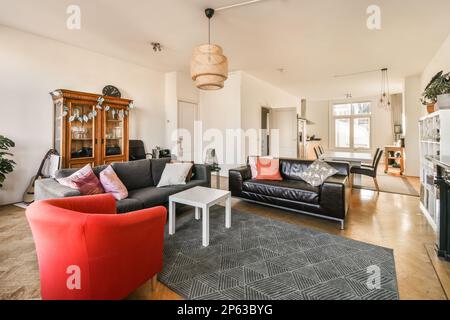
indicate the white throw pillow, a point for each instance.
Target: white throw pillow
{"x":175,"y":174}
{"x":317,"y":173}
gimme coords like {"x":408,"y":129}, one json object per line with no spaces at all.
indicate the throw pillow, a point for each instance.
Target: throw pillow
{"x":112,"y":184}
{"x":84,"y":180}
{"x":252,"y":160}
{"x":317,"y":173}
{"x":268,"y":169}
{"x":174,"y":174}
{"x":191,"y":172}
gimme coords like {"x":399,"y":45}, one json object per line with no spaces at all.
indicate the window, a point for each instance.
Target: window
{"x":352,"y":125}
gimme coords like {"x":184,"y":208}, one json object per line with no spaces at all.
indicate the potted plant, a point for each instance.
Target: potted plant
{"x":6,"y":165}
{"x":429,"y":95}
{"x":437,"y":91}
{"x":443,"y":88}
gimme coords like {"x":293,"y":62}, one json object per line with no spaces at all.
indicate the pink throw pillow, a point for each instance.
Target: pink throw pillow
{"x":112,"y":184}
{"x":84,"y":180}
{"x":252,"y":160}
{"x":268,"y":169}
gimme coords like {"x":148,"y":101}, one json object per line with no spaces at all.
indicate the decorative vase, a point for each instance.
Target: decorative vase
{"x":444,"y":101}
{"x":430,"y":107}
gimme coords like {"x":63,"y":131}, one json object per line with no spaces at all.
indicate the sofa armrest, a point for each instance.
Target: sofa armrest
{"x":343,"y":168}
{"x":96,"y":204}
{"x":51,"y":189}
{"x":202,"y":172}
{"x":335,"y":195}
{"x":236,"y":178}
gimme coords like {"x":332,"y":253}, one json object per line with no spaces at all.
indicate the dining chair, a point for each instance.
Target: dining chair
{"x":317,"y":152}
{"x":321,"y":149}
{"x":369,"y":170}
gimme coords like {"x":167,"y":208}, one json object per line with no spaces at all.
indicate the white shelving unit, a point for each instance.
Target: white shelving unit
{"x":434,"y":133}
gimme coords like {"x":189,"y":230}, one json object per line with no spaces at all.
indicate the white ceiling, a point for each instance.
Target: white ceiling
{"x":313,"y":40}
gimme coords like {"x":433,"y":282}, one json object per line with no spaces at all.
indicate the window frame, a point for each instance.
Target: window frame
{"x":351,"y":118}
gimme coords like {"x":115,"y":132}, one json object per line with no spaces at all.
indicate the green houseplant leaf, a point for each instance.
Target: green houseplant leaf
{"x":6,"y":164}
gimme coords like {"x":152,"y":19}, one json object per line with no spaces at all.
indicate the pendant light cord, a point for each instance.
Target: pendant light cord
{"x":209,"y":31}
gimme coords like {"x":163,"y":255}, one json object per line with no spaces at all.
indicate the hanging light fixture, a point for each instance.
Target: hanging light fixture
{"x":209,"y":67}
{"x":385,"y":98}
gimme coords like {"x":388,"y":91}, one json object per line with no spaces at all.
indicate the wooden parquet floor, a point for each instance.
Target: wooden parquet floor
{"x":384,"y":219}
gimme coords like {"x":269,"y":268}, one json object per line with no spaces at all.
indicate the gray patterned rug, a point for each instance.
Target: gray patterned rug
{"x":263,"y":259}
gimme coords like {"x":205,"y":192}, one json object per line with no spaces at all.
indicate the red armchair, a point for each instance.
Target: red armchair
{"x":88,"y":252}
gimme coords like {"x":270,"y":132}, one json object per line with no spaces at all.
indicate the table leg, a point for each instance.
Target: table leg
{"x":172,"y":210}
{"x":218,"y":180}
{"x":205,"y":226}
{"x":228,"y":213}
{"x":357,"y":179}
{"x":197,"y":213}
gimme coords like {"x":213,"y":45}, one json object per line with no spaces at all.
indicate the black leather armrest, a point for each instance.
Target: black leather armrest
{"x":202,"y":172}
{"x":236,"y":178}
{"x":343,"y":168}
{"x":334,"y":196}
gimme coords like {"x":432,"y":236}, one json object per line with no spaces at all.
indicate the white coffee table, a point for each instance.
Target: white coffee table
{"x":202,"y":199}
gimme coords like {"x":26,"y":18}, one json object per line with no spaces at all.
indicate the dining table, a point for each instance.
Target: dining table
{"x":354,"y":158}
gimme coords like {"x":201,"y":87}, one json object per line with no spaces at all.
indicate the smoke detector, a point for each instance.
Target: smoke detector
{"x":157,"y":47}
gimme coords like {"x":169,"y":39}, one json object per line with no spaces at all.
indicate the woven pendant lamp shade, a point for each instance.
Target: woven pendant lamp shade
{"x":209,"y":67}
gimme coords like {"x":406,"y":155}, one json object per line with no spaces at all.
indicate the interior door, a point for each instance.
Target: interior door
{"x":285,"y":120}
{"x":187,"y":115}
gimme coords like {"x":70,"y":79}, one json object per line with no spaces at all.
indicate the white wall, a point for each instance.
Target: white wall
{"x":256,"y":94}
{"x":32,"y":66}
{"x":238,"y":106}
{"x":317,"y":112}
{"x":441,"y":61}
{"x":221,"y":110}
{"x":178,"y":87}
{"x":413,"y":111}
{"x":320,"y":113}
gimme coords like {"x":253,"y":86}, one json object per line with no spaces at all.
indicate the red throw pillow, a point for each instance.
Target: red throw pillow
{"x":83,"y":180}
{"x":268,"y":169}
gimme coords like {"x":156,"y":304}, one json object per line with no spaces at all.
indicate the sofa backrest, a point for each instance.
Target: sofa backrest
{"x":290,"y":169}
{"x":64,"y":173}
{"x":158,"y":166}
{"x":135,"y":174}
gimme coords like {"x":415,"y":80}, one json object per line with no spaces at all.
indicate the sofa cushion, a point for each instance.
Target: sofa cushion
{"x":158,"y":166}
{"x":188,"y":185}
{"x":129,"y":205}
{"x":84,"y":180}
{"x":287,"y":189}
{"x":152,"y":196}
{"x":135,"y":174}
{"x":318,"y":172}
{"x":64,"y":173}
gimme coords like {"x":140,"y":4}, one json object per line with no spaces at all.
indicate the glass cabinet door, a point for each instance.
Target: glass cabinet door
{"x":113,"y":126}
{"x":81,"y":131}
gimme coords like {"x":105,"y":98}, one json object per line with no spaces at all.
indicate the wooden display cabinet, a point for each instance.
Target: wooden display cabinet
{"x":94,"y":136}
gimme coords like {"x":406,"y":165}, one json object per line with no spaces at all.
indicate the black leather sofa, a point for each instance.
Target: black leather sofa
{"x":329,"y":201}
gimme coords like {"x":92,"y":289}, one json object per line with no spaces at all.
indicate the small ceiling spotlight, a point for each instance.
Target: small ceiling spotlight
{"x":157,"y":47}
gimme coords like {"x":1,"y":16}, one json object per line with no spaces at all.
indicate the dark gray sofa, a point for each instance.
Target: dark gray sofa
{"x":140,"y":177}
